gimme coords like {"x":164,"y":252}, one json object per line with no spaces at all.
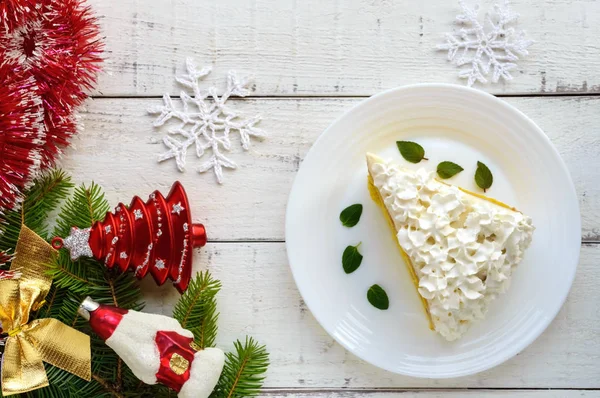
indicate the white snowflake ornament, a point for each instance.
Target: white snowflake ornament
{"x":492,"y":45}
{"x":205,"y":121}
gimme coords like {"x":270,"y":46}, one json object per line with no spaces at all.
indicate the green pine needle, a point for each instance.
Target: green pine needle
{"x":73,"y":275}
{"x":87,"y":206}
{"x":196,"y":310}
{"x":46,"y":193}
{"x":73,"y":281}
{"x":48,"y":392}
{"x":54,"y":300}
{"x":244,"y":371}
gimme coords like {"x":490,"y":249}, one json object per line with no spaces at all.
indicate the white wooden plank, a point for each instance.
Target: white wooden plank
{"x":115,"y":150}
{"x":259,"y":298}
{"x":315,"y":47}
{"x":434,"y":394}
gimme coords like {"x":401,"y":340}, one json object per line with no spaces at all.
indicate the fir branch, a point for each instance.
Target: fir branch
{"x":142,"y":390}
{"x":196,"y":310}
{"x":54,"y":303}
{"x":244,"y":371}
{"x":124,"y":289}
{"x":120,"y":374}
{"x":43,"y":197}
{"x":69,"y":385}
{"x":51,"y":299}
{"x":113,"y":293}
{"x":50,"y":391}
{"x":73,"y":281}
{"x":87,"y":206}
{"x":73,"y":275}
{"x":134,"y":388}
{"x":107,"y":386}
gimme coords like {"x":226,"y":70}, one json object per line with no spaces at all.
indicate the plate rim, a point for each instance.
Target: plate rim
{"x":503,"y":357}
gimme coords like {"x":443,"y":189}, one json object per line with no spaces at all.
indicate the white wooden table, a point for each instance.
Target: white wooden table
{"x":312,"y":60}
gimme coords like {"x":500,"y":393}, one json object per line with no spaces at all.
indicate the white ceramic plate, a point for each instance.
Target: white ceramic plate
{"x":452,"y":123}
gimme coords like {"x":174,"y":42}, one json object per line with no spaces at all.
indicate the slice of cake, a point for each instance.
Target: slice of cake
{"x":460,"y":247}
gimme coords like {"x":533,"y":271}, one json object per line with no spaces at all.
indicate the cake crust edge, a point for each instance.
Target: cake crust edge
{"x":376,"y":197}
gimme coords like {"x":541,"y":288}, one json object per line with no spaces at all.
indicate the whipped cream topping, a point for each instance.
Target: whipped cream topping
{"x":463,"y":248}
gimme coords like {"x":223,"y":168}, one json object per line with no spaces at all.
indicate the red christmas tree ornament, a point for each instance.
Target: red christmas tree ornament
{"x":156,"y":348}
{"x":58,"y":43}
{"x":156,"y":236}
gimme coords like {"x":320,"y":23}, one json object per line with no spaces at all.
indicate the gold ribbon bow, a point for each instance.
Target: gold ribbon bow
{"x":42,"y":340}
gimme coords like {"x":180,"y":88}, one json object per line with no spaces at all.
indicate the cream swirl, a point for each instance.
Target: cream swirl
{"x":463,"y":248}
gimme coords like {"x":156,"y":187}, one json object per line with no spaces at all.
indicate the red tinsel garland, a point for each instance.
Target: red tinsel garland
{"x":14,"y":12}
{"x":55,"y":46}
{"x":21,"y":133}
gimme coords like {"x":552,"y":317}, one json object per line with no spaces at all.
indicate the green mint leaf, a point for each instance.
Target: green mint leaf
{"x":351,"y":215}
{"x":483,"y":176}
{"x":411,"y":151}
{"x":448,"y":169}
{"x":378,"y":297}
{"x":351,"y":259}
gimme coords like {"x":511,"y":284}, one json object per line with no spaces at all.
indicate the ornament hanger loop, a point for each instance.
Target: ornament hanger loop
{"x":57,"y":242}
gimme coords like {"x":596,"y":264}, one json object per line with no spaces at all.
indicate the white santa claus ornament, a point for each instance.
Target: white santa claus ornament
{"x":156,"y":348}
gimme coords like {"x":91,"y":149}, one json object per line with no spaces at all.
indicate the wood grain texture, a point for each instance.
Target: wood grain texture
{"x":340,"y":48}
{"x":349,"y":47}
{"x":116,"y":151}
{"x":432,"y":394}
{"x":259,"y":297}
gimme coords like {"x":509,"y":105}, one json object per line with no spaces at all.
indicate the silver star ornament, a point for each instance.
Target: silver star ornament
{"x":78,"y":243}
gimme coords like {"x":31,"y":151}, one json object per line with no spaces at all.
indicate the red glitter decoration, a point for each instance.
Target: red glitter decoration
{"x":21,"y":134}
{"x":156,"y":237}
{"x":59,"y":126}
{"x":15,"y":12}
{"x":57,"y":43}
{"x":60,"y":44}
